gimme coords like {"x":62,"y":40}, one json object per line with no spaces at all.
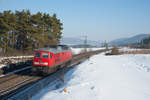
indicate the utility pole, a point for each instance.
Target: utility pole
{"x":106,"y":45}
{"x":85,"y":44}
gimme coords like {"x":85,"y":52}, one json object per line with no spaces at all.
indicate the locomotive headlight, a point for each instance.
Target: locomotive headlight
{"x":45,"y":63}
{"x":36,"y":63}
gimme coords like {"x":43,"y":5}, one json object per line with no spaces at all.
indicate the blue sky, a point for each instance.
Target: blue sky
{"x":98,"y":19}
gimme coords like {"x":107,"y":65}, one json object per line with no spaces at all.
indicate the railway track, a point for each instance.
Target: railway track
{"x":12,"y":75}
{"x":16,"y":82}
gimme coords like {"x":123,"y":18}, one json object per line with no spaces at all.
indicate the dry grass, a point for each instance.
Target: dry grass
{"x":65,"y":89}
{"x":136,"y":52}
{"x":1,"y":72}
{"x":115,"y":51}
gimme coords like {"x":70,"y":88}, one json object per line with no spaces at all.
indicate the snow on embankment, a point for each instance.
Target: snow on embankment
{"x":123,"y":77}
{"x":125,"y":49}
{"x":79,"y":50}
{"x":4,"y":61}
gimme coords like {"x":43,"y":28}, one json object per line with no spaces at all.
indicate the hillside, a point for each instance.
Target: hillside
{"x":125,"y":41}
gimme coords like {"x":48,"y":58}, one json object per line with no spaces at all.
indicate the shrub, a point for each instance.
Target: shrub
{"x":115,"y":51}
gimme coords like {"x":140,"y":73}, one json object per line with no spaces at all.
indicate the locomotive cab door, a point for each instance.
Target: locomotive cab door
{"x":51,"y":59}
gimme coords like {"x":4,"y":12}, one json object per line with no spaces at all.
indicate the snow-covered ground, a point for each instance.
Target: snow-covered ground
{"x":124,"y":49}
{"x":79,"y":50}
{"x":12,"y":59}
{"x":2,"y":65}
{"x":121,"y":77}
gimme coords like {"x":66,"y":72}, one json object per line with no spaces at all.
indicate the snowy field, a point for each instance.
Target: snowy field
{"x":124,"y":49}
{"x":122,"y":77}
{"x":79,"y":50}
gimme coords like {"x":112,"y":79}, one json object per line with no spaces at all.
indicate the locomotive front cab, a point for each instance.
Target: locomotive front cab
{"x":41,"y":59}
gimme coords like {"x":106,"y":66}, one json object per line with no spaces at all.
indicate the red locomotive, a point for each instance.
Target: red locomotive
{"x":47,"y":60}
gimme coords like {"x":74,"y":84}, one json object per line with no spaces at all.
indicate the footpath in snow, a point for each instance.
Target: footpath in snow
{"x":121,"y":77}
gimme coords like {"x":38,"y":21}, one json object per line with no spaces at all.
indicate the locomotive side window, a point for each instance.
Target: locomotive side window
{"x":51,"y":56}
{"x":37,"y":54}
{"x":45,"y":55}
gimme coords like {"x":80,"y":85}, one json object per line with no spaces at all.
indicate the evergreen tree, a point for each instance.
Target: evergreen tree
{"x":25,"y":31}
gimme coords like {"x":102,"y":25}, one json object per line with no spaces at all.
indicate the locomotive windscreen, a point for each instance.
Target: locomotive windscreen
{"x":37,"y":54}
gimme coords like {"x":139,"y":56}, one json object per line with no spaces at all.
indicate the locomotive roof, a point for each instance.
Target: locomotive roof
{"x":55,"y":49}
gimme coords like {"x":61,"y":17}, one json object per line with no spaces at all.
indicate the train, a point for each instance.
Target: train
{"x":47,"y":60}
